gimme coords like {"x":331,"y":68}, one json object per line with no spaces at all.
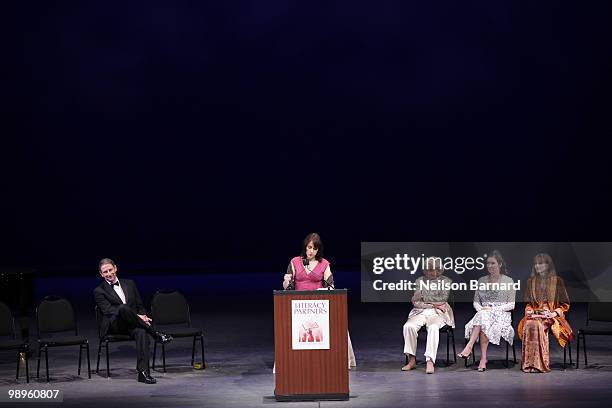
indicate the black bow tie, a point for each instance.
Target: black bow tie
{"x":115,"y":284}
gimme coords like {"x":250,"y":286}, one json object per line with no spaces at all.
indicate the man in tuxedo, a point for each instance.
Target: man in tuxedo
{"x":124,"y":313}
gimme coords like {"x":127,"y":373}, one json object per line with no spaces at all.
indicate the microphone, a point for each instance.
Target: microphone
{"x":305,"y":261}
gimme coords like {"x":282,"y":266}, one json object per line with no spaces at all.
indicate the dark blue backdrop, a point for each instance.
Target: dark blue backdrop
{"x":169,"y":134}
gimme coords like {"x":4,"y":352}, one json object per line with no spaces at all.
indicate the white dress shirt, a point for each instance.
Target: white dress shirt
{"x":119,"y":291}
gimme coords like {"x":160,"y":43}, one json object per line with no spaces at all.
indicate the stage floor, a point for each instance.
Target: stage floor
{"x":240,"y":355}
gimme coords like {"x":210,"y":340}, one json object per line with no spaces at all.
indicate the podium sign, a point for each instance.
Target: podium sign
{"x":310,"y":324}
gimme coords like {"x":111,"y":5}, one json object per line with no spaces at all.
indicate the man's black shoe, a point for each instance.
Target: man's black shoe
{"x":145,"y":377}
{"x":163,"y":338}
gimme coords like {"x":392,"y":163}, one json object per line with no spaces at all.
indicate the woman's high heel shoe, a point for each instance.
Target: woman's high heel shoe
{"x":463,"y":356}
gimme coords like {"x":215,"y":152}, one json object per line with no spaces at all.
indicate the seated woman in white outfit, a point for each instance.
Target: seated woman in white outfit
{"x":431,"y":309}
{"x":492,"y":320}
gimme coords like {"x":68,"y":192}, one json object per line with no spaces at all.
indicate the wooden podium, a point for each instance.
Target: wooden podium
{"x":306,"y":375}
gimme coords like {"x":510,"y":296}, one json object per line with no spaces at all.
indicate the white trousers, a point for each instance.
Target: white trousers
{"x":433,"y":322}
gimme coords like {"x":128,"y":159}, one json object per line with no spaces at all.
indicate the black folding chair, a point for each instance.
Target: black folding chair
{"x":170,"y":308}
{"x":596,"y":312}
{"x":106,"y":339}
{"x":55,"y":315}
{"x":7,"y":329}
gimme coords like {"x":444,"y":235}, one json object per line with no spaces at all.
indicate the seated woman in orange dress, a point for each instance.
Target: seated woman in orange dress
{"x":546,"y":304}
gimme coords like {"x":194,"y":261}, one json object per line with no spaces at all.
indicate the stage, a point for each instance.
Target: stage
{"x":238,"y":329}
{"x":198,"y":143}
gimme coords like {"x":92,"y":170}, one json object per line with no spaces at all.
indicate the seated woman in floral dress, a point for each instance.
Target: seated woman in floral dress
{"x":492,"y":320}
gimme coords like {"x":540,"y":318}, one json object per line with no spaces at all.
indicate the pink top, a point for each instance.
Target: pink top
{"x":305,"y":280}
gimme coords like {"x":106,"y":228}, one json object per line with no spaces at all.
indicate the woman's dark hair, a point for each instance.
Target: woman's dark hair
{"x":316,"y":242}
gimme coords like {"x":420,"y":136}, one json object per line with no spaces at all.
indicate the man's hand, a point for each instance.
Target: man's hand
{"x":146,"y":319}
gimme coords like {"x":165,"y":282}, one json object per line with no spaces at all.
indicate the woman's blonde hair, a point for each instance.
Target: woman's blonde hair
{"x":436,"y":261}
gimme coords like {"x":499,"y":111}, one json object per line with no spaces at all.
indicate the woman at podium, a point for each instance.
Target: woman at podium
{"x":546,"y":303}
{"x":431,"y":309}
{"x":310,"y":271}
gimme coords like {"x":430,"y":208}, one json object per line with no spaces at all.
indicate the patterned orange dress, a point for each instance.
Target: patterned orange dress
{"x":546,"y":293}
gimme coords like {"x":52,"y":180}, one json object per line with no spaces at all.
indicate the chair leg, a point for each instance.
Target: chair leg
{"x":27,"y":364}
{"x":585,"y":350}
{"x":107,"y":361}
{"x":80,"y":354}
{"x":38,"y":364}
{"x":88,"y":361}
{"x":578,"y":351}
{"x":465,"y":360}
{"x":507,"y":363}
{"x":569,"y":352}
{"x":454,"y":349}
{"x":447,"y":349}
{"x":564,"y":356}
{"x":154,"y":352}
{"x":193,"y":351}
{"x":18,"y":361}
{"x":99,"y":352}
{"x":164,"y":356}
{"x":513,"y":353}
{"x":204,"y":359}
{"x":47,"y":362}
